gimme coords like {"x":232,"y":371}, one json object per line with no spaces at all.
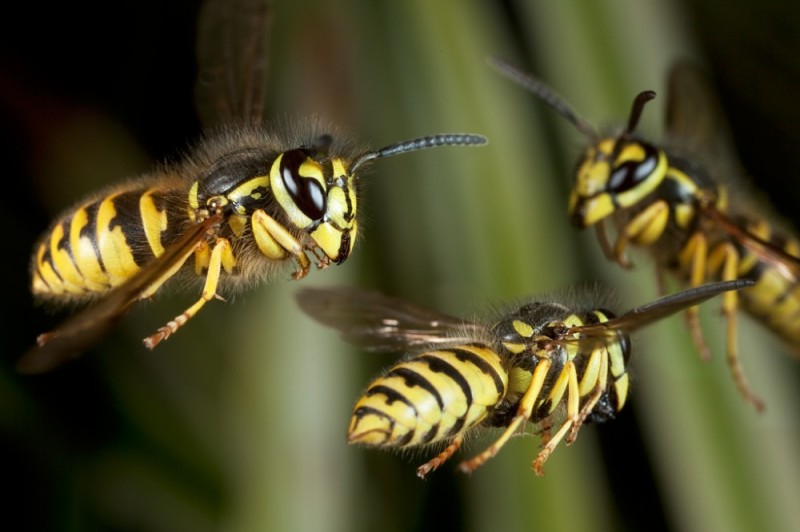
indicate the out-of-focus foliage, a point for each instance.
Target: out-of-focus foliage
{"x":238,"y":422}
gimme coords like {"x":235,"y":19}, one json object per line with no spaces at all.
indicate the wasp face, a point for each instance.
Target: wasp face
{"x":318,"y":195}
{"x":614,"y":173}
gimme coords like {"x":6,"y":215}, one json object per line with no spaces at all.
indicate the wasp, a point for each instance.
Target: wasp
{"x":550,"y":365}
{"x":671,"y":200}
{"x":246,"y":201}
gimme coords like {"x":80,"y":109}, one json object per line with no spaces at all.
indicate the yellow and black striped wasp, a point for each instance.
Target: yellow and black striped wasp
{"x":673,"y":200}
{"x":244,"y":202}
{"x":549,"y":364}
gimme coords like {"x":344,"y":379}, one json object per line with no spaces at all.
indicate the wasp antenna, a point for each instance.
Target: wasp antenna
{"x":432,"y":141}
{"x":544,"y":93}
{"x":636,"y":111}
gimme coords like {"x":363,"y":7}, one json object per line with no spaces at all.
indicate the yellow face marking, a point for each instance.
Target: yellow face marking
{"x":329,"y":239}
{"x":593,"y":172}
{"x":594,"y":209}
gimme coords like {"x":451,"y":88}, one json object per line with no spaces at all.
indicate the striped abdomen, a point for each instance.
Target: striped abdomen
{"x":102,"y":243}
{"x":775,"y":299}
{"x":434,"y":396}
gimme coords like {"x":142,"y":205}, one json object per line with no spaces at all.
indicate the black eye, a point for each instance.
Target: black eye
{"x":306,"y":192}
{"x":629,"y":174}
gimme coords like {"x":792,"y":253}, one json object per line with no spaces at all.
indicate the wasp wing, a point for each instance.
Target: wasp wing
{"x":695,"y":120}
{"x":659,"y":309}
{"x":232,"y":55}
{"x":377,"y":322}
{"x":767,"y":252}
{"x":89,"y":325}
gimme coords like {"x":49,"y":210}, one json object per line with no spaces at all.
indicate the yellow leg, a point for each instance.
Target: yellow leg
{"x":644,"y":229}
{"x":277,"y":243}
{"x":602,"y":237}
{"x":573,"y":414}
{"x":693,"y":257}
{"x":442,"y":457}
{"x":600,"y":385}
{"x":524,"y":412}
{"x":221,"y":253}
{"x":726,"y":256}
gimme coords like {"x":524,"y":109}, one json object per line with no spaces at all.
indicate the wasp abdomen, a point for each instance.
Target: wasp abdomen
{"x":431,"y":397}
{"x":101,"y":244}
{"x":775,"y":299}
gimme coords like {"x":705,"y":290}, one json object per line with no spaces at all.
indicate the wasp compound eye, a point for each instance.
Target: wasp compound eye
{"x":631,"y":172}
{"x":306,"y":191}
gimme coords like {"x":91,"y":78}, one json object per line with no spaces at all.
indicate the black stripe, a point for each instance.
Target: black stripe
{"x":129,"y":219}
{"x":479,"y":362}
{"x":412,"y":378}
{"x":406,"y":439}
{"x":440,"y":366}
{"x":47,"y":258}
{"x":362,"y":411}
{"x":391,"y":394}
{"x":89,"y":231}
{"x":159,"y":198}
{"x":63,"y":243}
{"x":431,"y":434}
{"x":459,"y":424}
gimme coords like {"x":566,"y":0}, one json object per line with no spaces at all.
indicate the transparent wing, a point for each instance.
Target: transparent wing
{"x":658,"y":309}
{"x":232,"y":46}
{"x":767,"y":252}
{"x":377,"y":322}
{"x":695,"y":119}
{"x":88,"y":326}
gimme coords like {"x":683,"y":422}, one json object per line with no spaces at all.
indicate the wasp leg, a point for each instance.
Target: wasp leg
{"x":569,"y":378}
{"x":524,"y":412}
{"x":442,"y":457}
{"x":594,"y":381}
{"x":323,"y":261}
{"x":726,"y":257}
{"x":605,"y":244}
{"x":221,"y":255}
{"x":571,"y":425}
{"x":644,"y":229}
{"x":693,"y":257}
{"x":276,"y":242}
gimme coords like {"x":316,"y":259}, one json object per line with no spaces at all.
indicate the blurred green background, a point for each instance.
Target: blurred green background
{"x":238,"y":422}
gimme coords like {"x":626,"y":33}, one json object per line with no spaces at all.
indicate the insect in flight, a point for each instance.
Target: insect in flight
{"x":547,"y":364}
{"x":672,"y":200}
{"x":243,"y":203}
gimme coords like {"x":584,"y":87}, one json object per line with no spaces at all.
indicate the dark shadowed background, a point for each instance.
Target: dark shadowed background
{"x":238,"y":421}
